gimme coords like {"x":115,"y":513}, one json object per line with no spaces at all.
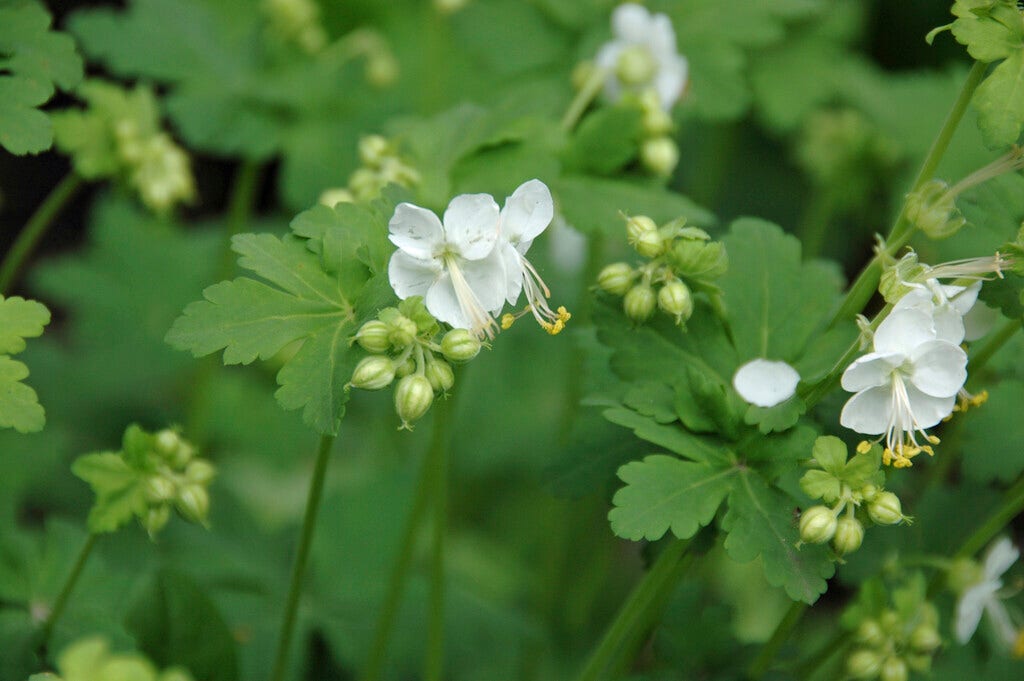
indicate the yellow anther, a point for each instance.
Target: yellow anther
{"x":928,"y":450}
{"x":933,"y":439}
{"x":863,"y":447}
{"x":1018,"y":645}
{"x":507,"y":320}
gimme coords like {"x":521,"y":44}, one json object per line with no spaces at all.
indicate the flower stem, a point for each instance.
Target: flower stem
{"x":437,"y":461}
{"x":316,"y":488}
{"x":864,"y":287}
{"x":583,"y":98}
{"x":35,"y":228}
{"x":634,"y":615}
{"x":993,"y":343}
{"x":770,"y":649}
{"x":65,"y":592}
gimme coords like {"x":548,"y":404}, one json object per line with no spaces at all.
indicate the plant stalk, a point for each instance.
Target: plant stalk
{"x":437,"y":461}
{"x":65,"y":593}
{"x":583,"y":98}
{"x":764,"y":659}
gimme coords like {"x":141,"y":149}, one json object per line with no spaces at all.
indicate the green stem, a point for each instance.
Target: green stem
{"x":864,"y":287}
{"x":69,"y":586}
{"x":35,"y":228}
{"x":1013,"y":503}
{"x":437,"y":460}
{"x":814,"y":223}
{"x":316,"y":488}
{"x":770,"y":649}
{"x":583,"y":98}
{"x":635,"y":612}
{"x":837,"y":643}
{"x":992,"y":344}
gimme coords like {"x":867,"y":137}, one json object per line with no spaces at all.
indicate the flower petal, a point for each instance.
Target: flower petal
{"x":949,"y":324}
{"x":969,"y":608}
{"x":415,"y":230}
{"x":868,"y":411}
{"x":1001,"y":621}
{"x":927,"y":409}
{"x":939,"y":368}
{"x":961,"y":297}
{"x":904,"y":330}
{"x":1000,"y":557}
{"x":671,"y":81}
{"x":471,"y":225}
{"x":979,"y":321}
{"x":442,"y":302}
{"x":872,"y":369}
{"x":411,"y":276}
{"x":765,"y":383}
{"x":513,"y":273}
{"x":632,"y":22}
{"x":527,"y":212}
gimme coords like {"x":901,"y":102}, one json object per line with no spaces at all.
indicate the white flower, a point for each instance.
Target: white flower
{"x":642,"y":56}
{"x":947,"y":305}
{"x":909,"y":383}
{"x":983,"y":597}
{"x":524,"y":216}
{"x":765,"y":383}
{"x":454,"y":265}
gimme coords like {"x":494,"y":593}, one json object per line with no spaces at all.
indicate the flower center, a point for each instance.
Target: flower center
{"x":481,"y":323}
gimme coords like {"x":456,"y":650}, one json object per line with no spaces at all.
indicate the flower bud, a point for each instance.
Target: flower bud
{"x":373,"y":373}
{"x":817,"y":525}
{"x":639,"y":302}
{"x":405,"y":368}
{"x":932,"y":209}
{"x":373,"y":149}
{"x":885,"y":509}
{"x":918,"y":663}
{"x":193,"y":503}
{"x":889,"y":621}
{"x":381,"y":70}
{"x":159,"y":489}
{"x":925,"y":639}
{"x":373,"y":336}
{"x":401,"y":331}
{"x":616,"y":278}
{"x":660,"y":155}
{"x":167,"y":442}
{"x":649,"y":244}
{"x":868,"y":492}
{"x":893,"y":669}
{"x":849,"y":535}
{"x":655,"y":120}
{"x":440,"y":375}
{"x":635,"y":66}
{"x":180,"y":457}
{"x":332,"y":197}
{"x":870,"y":633}
{"x":863,"y":664}
{"x":675,"y":299}
{"x":156,"y":518}
{"x":460,"y":345}
{"x":449,"y":6}
{"x":413,"y":398}
{"x":200,"y":472}
{"x":637,"y":226}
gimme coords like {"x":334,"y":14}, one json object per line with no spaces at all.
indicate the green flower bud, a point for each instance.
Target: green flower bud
{"x":963,"y":574}
{"x":649,"y":244}
{"x":639,"y":302}
{"x":200,"y":472}
{"x":655,"y":120}
{"x":635,"y":66}
{"x":440,"y":375}
{"x":817,"y":525}
{"x":925,"y":639}
{"x":885,"y":509}
{"x":932,"y":209}
{"x":332,"y":197}
{"x":868,"y":492}
{"x":675,"y":299}
{"x":373,"y":149}
{"x":449,"y":6}
{"x":373,"y":373}
{"x":167,"y":442}
{"x":193,"y":503}
{"x":382,"y":70}
{"x":893,"y":669}
{"x":870,"y":633}
{"x":459,"y":345}
{"x":413,"y":398}
{"x":156,"y":518}
{"x":660,"y":155}
{"x":918,"y":663}
{"x":637,"y":226}
{"x":405,"y":368}
{"x":373,"y":336}
{"x":863,"y":664}
{"x":175,"y":674}
{"x":849,"y":535}
{"x":889,"y":621}
{"x":616,"y":278}
{"x":401,"y":331}
{"x":180,"y":457}
{"x":159,"y":489}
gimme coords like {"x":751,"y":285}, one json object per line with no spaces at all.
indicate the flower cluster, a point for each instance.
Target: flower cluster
{"x":468,"y":265}
{"x":980,"y":588}
{"x":852,"y":490}
{"x":382,"y":165}
{"x":912,"y":378}
{"x":402,"y":345}
{"x":673,"y":252}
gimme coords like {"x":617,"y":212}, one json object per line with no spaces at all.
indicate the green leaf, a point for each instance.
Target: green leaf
{"x":663,"y":493}
{"x":19,"y":404}
{"x":781,"y":417}
{"x":20,"y":319}
{"x":830,"y":453}
{"x":176,"y":623}
{"x":605,"y":141}
{"x":759,"y":522}
{"x":671,"y":437}
{"x":33,"y":59}
{"x":990,"y":30}
{"x":991,"y":445}
{"x":775,"y":303}
{"x":1000,"y":102}
{"x":120,"y":494}
{"x":653,"y":399}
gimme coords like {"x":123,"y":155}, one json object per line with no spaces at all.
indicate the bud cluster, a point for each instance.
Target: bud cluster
{"x":295,"y":22}
{"x":90,"y":659}
{"x":403,"y":350}
{"x":659,"y":152}
{"x":673,"y":252}
{"x":382,"y":166}
{"x":156,"y":167}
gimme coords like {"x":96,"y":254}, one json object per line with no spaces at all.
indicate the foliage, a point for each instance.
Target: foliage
{"x":19,"y":404}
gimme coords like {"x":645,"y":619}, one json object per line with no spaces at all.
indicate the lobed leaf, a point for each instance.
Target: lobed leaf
{"x":119,"y":491}
{"x":1000,"y":102}
{"x":19,"y":404}
{"x":20,"y":319}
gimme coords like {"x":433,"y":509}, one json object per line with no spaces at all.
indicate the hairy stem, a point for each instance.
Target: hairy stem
{"x":65,"y":592}
{"x":35,"y":228}
{"x":316,"y":488}
{"x":437,"y":461}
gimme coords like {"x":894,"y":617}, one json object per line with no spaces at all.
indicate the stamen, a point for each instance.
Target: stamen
{"x":483,"y":325}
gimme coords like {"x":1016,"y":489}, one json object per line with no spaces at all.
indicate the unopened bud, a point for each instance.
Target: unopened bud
{"x":918,"y":662}
{"x":817,"y":525}
{"x":440,"y":375}
{"x":167,"y":442}
{"x":660,"y":155}
{"x":200,"y":472}
{"x":925,"y":639}
{"x":639,"y":303}
{"x":373,"y":149}
{"x":381,"y":70}
{"x":849,"y":535}
{"x":156,"y":518}
{"x":655,"y":120}
{"x":405,"y":368}
{"x":401,"y":331}
{"x":638,"y":225}
{"x":193,"y":503}
{"x":373,"y":336}
{"x":413,"y":398}
{"x":893,"y":669}
{"x":932,"y":209}
{"x":870,"y":633}
{"x":635,"y":66}
{"x":159,"y":489}
{"x":889,"y":621}
{"x":460,"y":345}
{"x":675,"y":299}
{"x":373,"y":373}
{"x":449,"y":6}
{"x":616,"y":278}
{"x":885,"y":509}
{"x":863,"y":664}
{"x":649,"y":244}
{"x":868,"y":492}
{"x":332,"y":197}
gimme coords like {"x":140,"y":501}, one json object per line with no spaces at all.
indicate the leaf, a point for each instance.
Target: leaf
{"x":780,"y":417}
{"x":671,"y":437}
{"x":33,"y":59}
{"x":663,"y":493}
{"x":760,"y":522}
{"x":120,"y":495}
{"x":653,"y":399}
{"x":19,"y":404}
{"x":20,"y":319}
{"x":775,"y":303}
{"x":175,"y":623}
{"x":605,"y":141}
{"x":991,"y":445}
{"x":1000,"y":102}
{"x":830,"y":453}
{"x":990,"y":30}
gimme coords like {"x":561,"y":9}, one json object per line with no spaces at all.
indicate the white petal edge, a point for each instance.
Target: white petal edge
{"x":442,"y":302}
{"x":969,"y":608}
{"x":939,"y":368}
{"x":765,"y":383}
{"x":411,"y":276}
{"x":904,"y":330}
{"x":471,"y":225}
{"x":868,"y":411}
{"x":928,"y":410}
{"x":979,"y":321}
{"x":632,"y":22}
{"x":415,"y":230}
{"x":1000,"y":557}
{"x":872,"y":369}
{"x":528,"y":212}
